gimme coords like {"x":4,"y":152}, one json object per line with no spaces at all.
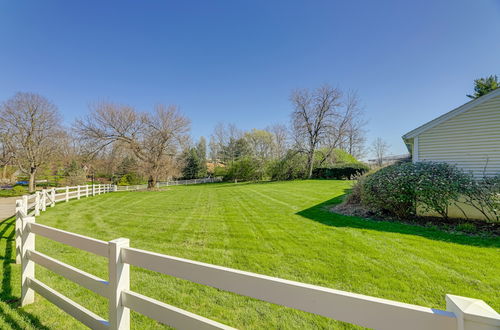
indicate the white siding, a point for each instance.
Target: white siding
{"x":471,"y":140}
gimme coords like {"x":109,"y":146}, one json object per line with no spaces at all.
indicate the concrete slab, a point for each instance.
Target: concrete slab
{"x":7,"y":207}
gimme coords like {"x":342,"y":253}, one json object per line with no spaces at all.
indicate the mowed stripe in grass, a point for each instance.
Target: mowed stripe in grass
{"x":279,"y":229}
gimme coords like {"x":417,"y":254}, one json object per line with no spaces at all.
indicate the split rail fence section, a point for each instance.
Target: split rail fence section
{"x":462,"y":313}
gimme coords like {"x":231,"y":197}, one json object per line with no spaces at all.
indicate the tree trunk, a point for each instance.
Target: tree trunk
{"x":32,"y":185}
{"x":151,"y":182}
{"x":310,"y":164}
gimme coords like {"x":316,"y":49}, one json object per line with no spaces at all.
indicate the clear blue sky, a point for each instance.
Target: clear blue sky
{"x":237,"y":61}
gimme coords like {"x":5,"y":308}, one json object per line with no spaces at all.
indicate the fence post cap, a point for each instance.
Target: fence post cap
{"x":474,"y":310}
{"x":120,"y":241}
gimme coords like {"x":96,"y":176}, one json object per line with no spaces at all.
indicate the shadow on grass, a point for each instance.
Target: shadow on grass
{"x":322,"y":214}
{"x":9,"y":307}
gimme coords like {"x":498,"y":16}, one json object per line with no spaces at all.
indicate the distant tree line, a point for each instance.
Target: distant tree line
{"x":120,"y":144}
{"x":117,"y":143}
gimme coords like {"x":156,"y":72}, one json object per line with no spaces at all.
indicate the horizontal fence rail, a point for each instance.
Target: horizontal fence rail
{"x":339,"y":305}
{"x":74,"y":309}
{"x":167,"y":314}
{"x":88,"y":281}
{"x":461,"y":313}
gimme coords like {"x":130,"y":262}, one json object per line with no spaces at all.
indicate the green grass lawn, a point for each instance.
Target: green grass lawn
{"x":277,"y":229}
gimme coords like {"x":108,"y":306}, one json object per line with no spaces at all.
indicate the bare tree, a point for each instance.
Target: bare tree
{"x":313,"y":119}
{"x":346,"y":131}
{"x":380,"y":149}
{"x":261,"y":144}
{"x":354,"y":133}
{"x":154,"y":138}
{"x":223,"y":145}
{"x":6,"y":155}
{"x":280,"y":136}
{"x":30,"y":125}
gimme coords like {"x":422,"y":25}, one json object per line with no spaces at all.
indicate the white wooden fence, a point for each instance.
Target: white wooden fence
{"x":186,"y":182}
{"x":170,"y":183}
{"x":461,"y":314}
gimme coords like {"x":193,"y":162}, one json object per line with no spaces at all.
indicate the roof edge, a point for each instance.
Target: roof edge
{"x":451,"y":114}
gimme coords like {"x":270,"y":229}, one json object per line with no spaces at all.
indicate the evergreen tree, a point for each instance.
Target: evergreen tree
{"x":127,"y":165}
{"x":201,"y":151}
{"x":483,"y":86}
{"x":192,"y":164}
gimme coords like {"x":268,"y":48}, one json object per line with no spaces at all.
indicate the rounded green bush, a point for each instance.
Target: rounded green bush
{"x":18,"y":190}
{"x":391,"y":190}
{"x":398,"y":189}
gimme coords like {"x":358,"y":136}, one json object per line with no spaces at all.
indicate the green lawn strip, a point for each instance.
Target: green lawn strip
{"x":279,"y":229}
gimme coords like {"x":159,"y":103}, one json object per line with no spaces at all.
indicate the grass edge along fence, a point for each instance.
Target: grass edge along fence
{"x":461,"y":313}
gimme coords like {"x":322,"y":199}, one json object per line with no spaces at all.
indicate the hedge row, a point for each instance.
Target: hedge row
{"x":340,"y":171}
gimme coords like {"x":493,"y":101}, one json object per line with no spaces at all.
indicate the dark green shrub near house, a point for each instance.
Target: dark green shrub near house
{"x":432,"y":187}
{"x":484,"y":196}
{"x":438,"y":186}
{"x":340,"y":171}
{"x":391,"y":190}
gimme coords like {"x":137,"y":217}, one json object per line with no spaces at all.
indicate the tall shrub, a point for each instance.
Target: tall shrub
{"x":290,"y":167}
{"x":392,"y":190}
{"x":244,"y":169}
{"x":484,"y":196}
{"x":438,"y":185}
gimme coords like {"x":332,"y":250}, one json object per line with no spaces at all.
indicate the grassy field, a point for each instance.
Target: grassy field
{"x":279,"y":229}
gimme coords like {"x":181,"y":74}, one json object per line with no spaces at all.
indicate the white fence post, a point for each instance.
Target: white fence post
{"x":37,"y":203}
{"x":19,"y":224}
{"x":472,"y":314}
{"x":25,"y":204}
{"x":119,"y":280}
{"x":78,"y":192}
{"x":27,"y":265}
{"x":67,"y":194}
{"x":53,"y":197}
{"x":87,"y":190}
{"x":44,"y":200}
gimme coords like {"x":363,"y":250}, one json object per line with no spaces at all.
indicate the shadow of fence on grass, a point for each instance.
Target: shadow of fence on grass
{"x":10,"y":312}
{"x":322,"y":214}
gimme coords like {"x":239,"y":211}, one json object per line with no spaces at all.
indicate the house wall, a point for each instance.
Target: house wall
{"x":470,"y":140}
{"x":457,"y":212}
